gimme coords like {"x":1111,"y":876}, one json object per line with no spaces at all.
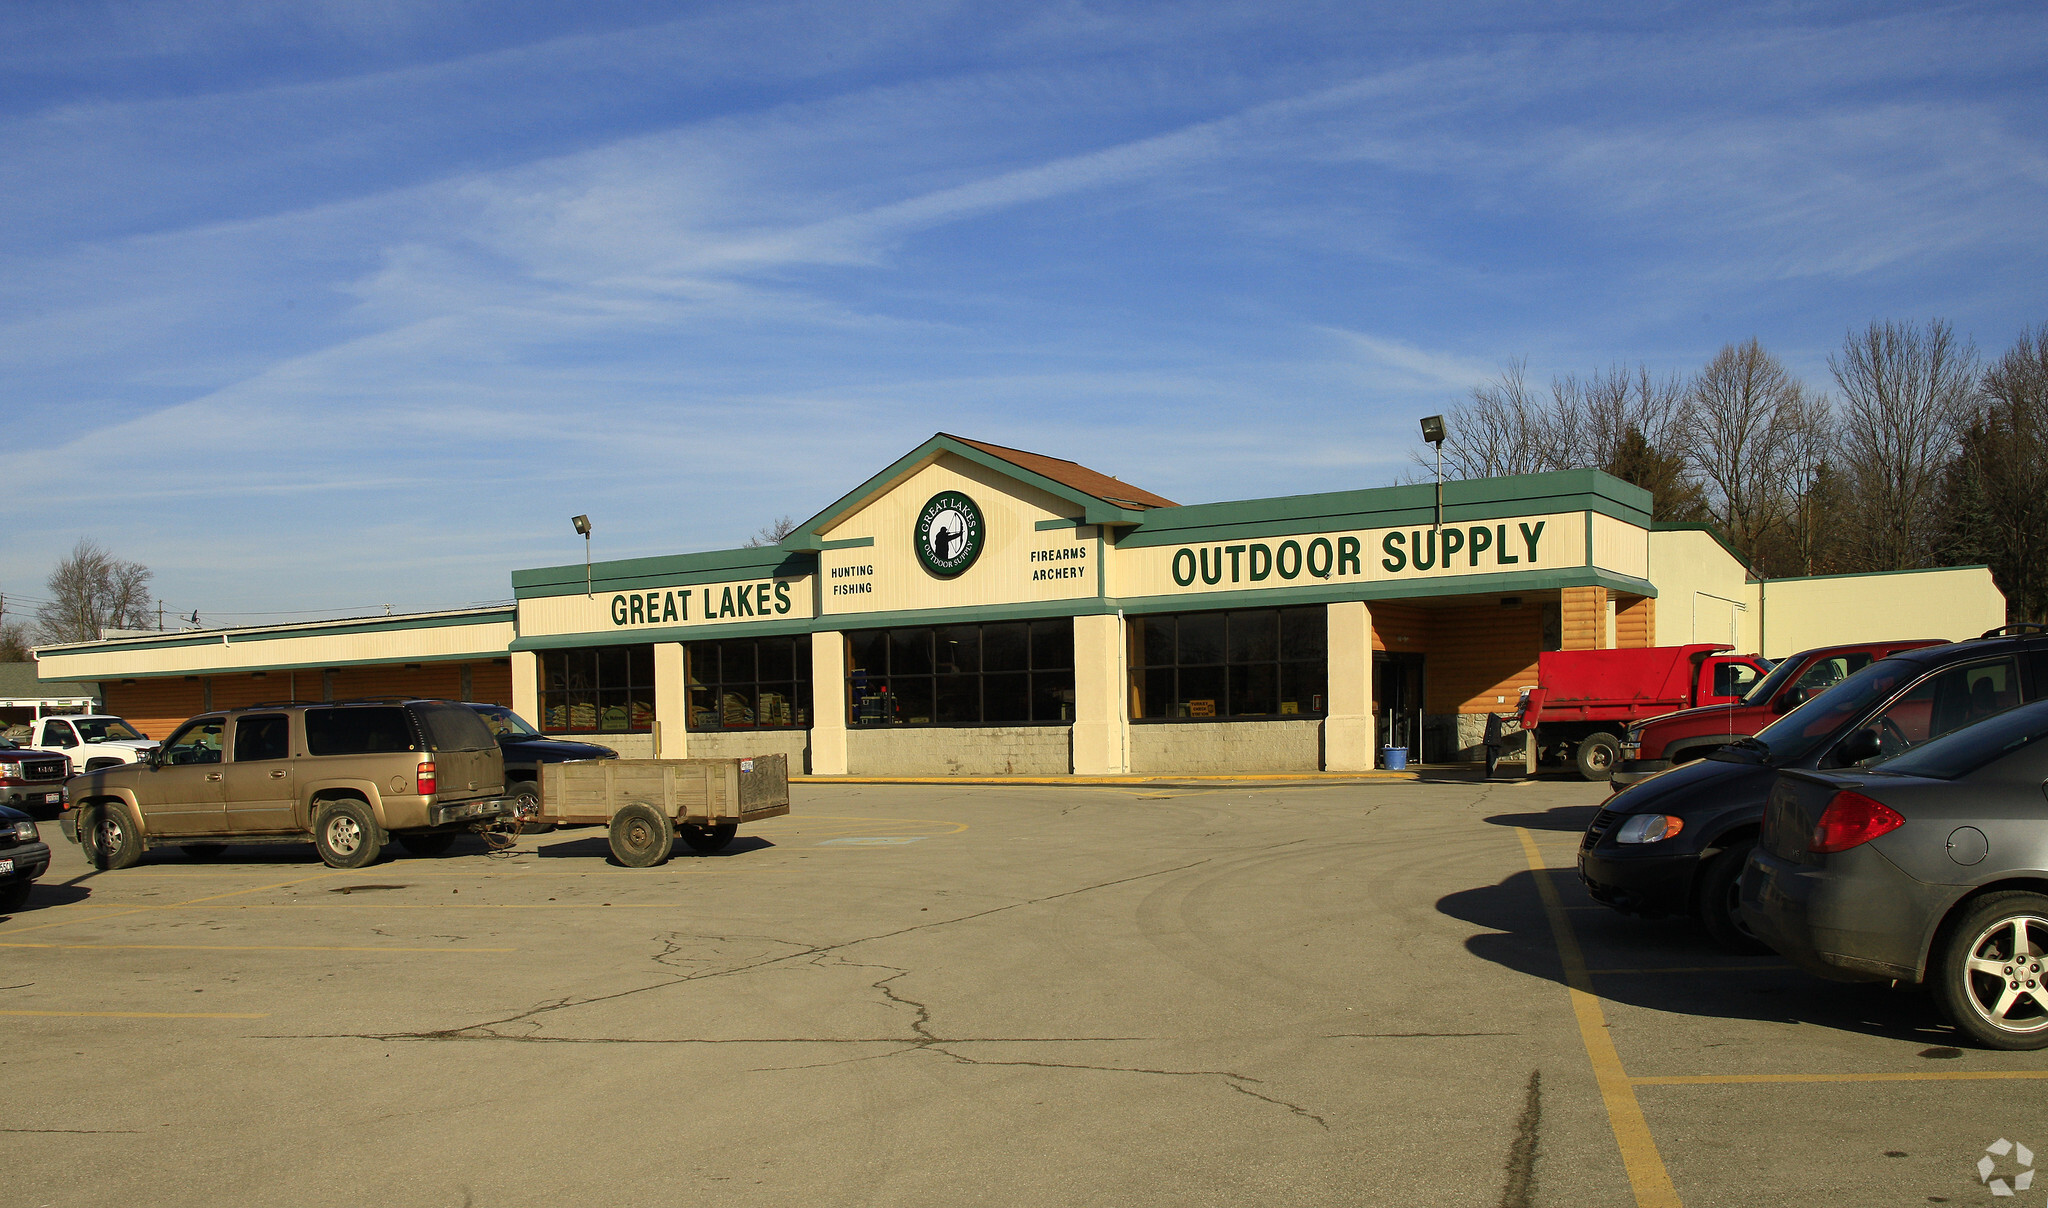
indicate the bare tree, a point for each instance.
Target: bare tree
{"x":1995,"y":496}
{"x":1632,"y":425}
{"x":771,"y":534}
{"x":92,"y":590}
{"x":1757,"y":435}
{"x":1506,"y":429}
{"x":1624,"y":421}
{"x":1906,"y":391}
{"x":14,"y":642}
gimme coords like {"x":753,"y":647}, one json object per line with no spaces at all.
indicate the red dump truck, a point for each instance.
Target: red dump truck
{"x":1584,"y":699}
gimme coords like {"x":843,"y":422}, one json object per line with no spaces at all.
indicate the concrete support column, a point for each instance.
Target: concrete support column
{"x":525,"y":686}
{"x":1102,"y":719}
{"x":671,"y":702}
{"x":828,"y":704}
{"x":1348,"y":737}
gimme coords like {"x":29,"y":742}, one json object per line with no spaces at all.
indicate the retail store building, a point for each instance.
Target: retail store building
{"x":974,"y":609}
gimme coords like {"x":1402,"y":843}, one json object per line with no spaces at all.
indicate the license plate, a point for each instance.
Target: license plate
{"x":53,"y":798}
{"x":6,"y":866}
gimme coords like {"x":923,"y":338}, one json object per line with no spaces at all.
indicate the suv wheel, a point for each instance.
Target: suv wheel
{"x":1992,"y":978}
{"x":346,"y":835}
{"x":110,"y":838}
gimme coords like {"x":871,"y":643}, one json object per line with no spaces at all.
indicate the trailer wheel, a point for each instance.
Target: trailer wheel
{"x":642,"y":836}
{"x":707,"y":839}
{"x":1596,"y":756}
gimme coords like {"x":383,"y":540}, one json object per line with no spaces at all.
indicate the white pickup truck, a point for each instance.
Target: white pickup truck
{"x":92,"y":740}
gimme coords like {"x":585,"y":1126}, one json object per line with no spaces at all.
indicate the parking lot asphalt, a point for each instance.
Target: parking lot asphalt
{"x":1385,"y":993}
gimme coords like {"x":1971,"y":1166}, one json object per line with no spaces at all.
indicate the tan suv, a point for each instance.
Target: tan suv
{"x":347,"y":775}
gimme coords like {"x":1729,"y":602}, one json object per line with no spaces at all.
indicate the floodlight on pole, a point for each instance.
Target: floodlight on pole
{"x":1433,"y":431}
{"x":582,"y":524}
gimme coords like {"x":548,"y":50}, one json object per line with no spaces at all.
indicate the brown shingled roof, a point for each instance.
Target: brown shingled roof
{"x":1075,"y":475}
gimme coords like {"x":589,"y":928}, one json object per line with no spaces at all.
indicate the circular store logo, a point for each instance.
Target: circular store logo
{"x":949,"y":532}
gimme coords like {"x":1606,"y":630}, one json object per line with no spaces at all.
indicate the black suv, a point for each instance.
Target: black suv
{"x":525,"y":749}
{"x":1677,"y":842}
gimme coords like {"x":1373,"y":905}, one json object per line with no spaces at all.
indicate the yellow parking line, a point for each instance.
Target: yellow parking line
{"x":1902,"y":1076}
{"x":178,"y":905}
{"x":139,"y":1014}
{"x":248,"y":948}
{"x":1645,"y":1166}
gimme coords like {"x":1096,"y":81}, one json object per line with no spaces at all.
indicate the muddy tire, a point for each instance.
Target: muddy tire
{"x":642,"y":836}
{"x":110,"y":837}
{"x":346,"y":835}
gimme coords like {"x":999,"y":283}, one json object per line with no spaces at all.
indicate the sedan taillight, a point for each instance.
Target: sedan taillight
{"x":426,"y":783}
{"x":1850,"y":820}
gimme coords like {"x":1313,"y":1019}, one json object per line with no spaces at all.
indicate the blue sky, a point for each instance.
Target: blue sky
{"x":319,"y":307}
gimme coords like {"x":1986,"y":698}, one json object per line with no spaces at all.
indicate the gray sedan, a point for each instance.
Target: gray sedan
{"x":1931,"y":866}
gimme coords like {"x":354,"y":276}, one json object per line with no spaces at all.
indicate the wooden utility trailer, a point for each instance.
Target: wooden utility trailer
{"x":649,"y":803}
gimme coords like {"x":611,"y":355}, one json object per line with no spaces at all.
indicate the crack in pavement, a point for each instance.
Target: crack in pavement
{"x":483,"y":1031}
{"x":922,"y":1038}
{"x":926,"y":1041}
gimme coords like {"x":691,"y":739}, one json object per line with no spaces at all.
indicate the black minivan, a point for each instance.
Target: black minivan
{"x":1676,"y":843}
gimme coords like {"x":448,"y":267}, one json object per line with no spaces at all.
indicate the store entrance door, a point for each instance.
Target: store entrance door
{"x":1397,"y":701}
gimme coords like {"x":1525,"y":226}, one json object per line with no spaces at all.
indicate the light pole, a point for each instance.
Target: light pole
{"x":1433,"y":432}
{"x":582,"y":524}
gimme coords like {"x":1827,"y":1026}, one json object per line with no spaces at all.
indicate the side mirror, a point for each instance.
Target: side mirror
{"x":155,"y":758}
{"x":1856,"y":748}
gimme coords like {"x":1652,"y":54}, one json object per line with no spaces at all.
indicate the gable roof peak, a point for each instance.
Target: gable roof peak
{"x":1102,"y":486}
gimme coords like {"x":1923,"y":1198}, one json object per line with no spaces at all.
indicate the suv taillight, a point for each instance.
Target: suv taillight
{"x":1850,"y":820}
{"x":426,"y":779}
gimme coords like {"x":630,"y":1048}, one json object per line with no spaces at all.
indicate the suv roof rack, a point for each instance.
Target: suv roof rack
{"x":2015,"y":630}
{"x":274,"y":704}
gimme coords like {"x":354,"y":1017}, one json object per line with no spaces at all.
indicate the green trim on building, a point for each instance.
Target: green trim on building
{"x":318,"y":629}
{"x":849,"y":543}
{"x":495,"y":656}
{"x":667,"y":633}
{"x":1411,"y":506}
{"x":1872,"y":574}
{"x":642,"y":574}
{"x":1047,"y":526}
{"x":808,"y":535}
{"x":1510,"y":584}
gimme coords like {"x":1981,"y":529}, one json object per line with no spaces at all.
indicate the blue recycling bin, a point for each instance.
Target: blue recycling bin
{"x":1395,"y":758}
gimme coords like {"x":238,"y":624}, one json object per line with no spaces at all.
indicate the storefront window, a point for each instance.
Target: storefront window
{"x":601,"y":689}
{"x":1006,"y":673}
{"x":1204,"y":666}
{"x":750,"y":683}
